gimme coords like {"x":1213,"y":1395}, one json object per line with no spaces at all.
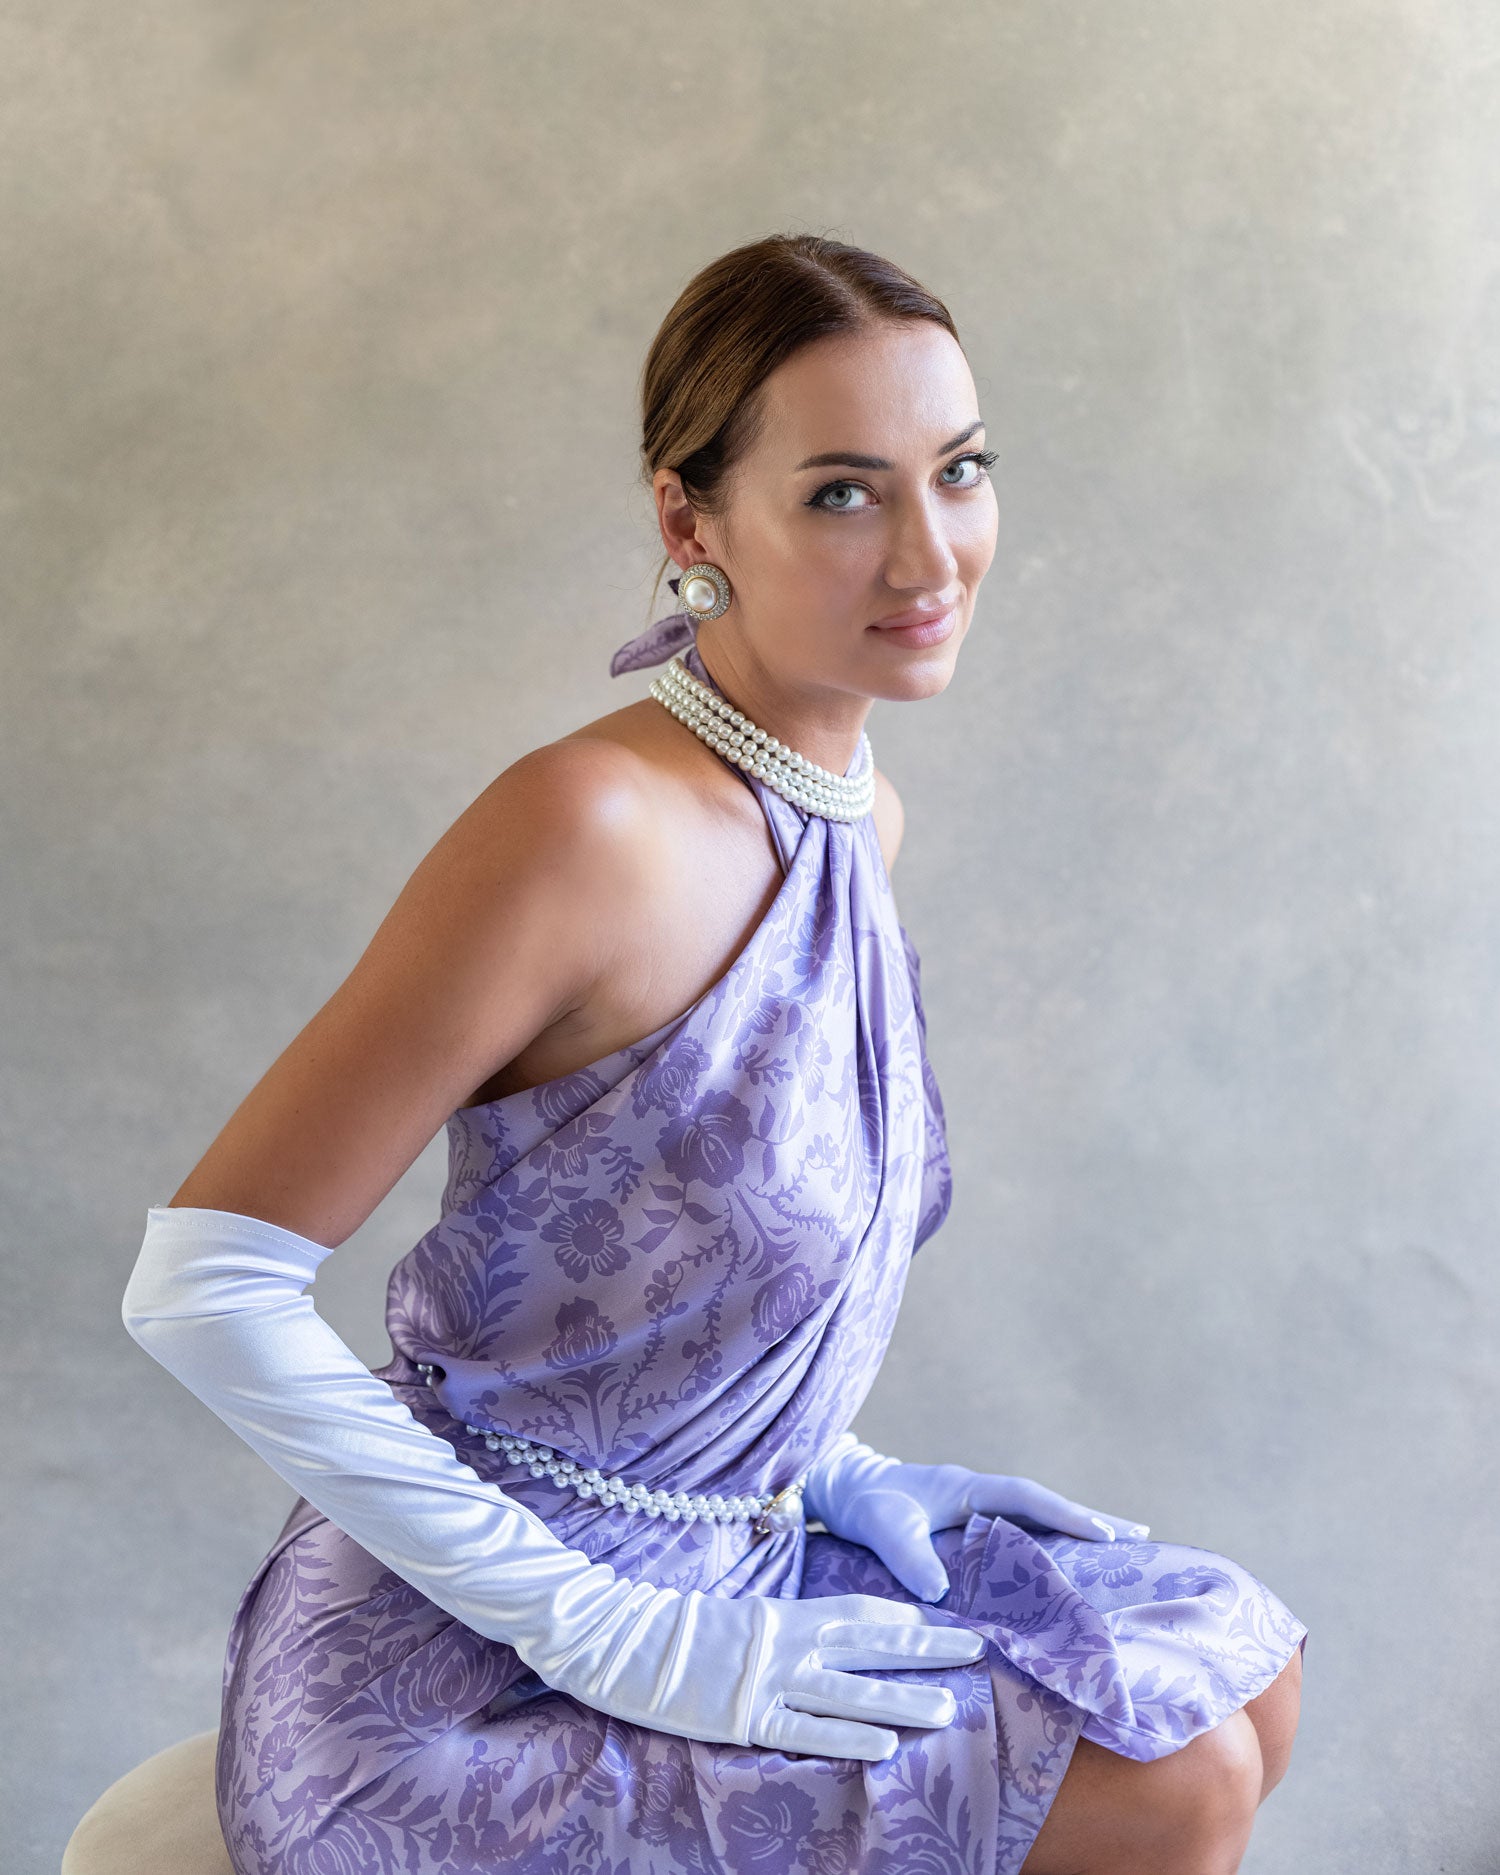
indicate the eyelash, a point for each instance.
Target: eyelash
{"x":986,"y":458}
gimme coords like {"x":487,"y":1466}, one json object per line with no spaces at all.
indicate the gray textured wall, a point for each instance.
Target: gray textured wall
{"x":320,"y":330}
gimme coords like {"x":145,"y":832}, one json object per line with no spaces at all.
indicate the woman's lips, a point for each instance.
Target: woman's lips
{"x":926,"y":631}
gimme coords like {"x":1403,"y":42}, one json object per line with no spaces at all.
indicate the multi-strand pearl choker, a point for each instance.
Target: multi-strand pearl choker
{"x":775,"y":1510}
{"x":716,"y":721}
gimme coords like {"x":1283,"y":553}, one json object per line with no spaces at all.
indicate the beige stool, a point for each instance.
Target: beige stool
{"x":159,"y":1819}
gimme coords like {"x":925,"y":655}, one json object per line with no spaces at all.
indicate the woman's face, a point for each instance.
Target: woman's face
{"x":866,"y":496}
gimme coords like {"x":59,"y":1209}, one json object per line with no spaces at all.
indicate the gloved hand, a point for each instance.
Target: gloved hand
{"x":217,"y":1299}
{"x":893,"y":1508}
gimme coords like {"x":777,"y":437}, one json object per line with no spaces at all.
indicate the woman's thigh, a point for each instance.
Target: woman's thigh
{"x":1191,"y":1810}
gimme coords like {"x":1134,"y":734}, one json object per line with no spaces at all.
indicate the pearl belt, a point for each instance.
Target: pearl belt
{"x":776,"y":1510}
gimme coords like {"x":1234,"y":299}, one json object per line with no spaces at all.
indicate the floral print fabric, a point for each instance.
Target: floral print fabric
{"x":684,"y":1262}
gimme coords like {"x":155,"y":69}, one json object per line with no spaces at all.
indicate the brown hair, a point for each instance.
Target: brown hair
{"x":733,"y":323}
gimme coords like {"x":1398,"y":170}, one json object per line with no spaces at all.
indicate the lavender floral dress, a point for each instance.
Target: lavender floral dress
{"x":684,"y":1263}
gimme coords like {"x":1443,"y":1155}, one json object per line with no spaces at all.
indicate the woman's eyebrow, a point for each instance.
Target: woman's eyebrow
{"x":847,"y":459}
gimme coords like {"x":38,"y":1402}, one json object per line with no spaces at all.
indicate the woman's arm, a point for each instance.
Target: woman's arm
{"x":502,"y":924}
{"x":524,"y":905}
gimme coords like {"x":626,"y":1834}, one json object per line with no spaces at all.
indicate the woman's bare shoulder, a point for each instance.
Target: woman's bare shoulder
{"x":619,"y":759}
{"x":554,"y":859}
{"x":586,"y":815}
{"x":505,"y":926}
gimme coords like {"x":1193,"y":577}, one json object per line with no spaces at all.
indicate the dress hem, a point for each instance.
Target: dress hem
{"x":1165,"y":1747}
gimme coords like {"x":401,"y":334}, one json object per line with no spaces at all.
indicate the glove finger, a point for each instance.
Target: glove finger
{"x":1123,"y":1526}
{"x":997,"y":1494}
{"x":1024,"y":1495}
{"x":914,"y":1563}
{"x":862,"y":1609}
{"x":1099,"y":1525}
{"x":851,"y":1644}
{"x":783,"y":1730}
{"x":840,"y":1695}
{"x":941,"y":1490}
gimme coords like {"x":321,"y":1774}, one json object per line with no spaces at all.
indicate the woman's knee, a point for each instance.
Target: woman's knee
{"x":1274,"y":1714}
{"x":1230,"y":1769}
{"x":1191,"y":1810}
{"x":1201,"y":1808}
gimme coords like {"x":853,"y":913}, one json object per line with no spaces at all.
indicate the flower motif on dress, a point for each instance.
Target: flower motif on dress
{"x":664,"y":1789}
{"x":761,"y":1007}
{"x":1116,"y":1564}
{"x":583,"y":1334}
{"x":668,"y":1082}
{"x":835,"y":1851}
{"x":589,"y":1238}
{"x":555,"y":1101}
{"x":567,"y":1153}
{"x":975,"y":1696}
{"x":707,"y":1144}
{"x":350,"y":1844}
{"x":763,"y":1827}
{"x":812,"y":1055}
{"x":452,"y":1291}
{"x":1211,"y":1586}
{"x":612,"y":1764}
{"x":453,"y":1672}
{"x":781,"y":1302}
{"x":277,"y":1752}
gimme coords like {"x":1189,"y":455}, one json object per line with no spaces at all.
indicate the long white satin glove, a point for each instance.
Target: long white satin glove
{"x":216,"y":1299}
{"x":893,"y":1508}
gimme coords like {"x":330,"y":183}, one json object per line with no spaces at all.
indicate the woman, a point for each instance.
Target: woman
{"x":548,"y":1599}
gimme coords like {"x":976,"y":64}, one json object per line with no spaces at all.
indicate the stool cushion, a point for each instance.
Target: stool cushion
{"x":158,"y":1819}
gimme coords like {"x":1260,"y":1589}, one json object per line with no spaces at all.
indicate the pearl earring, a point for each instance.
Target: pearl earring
{"x":703,"y":589}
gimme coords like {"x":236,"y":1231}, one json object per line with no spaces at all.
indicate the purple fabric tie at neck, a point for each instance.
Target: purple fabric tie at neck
{"x":657,"y":642}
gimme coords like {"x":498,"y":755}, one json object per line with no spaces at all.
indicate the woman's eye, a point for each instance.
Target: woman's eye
{"x":832,"y":497}
{"x":832,"y":488}
{"x":983,"y":460}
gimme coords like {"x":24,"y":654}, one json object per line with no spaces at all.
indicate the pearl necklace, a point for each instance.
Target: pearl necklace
{"x":715,"y":720}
